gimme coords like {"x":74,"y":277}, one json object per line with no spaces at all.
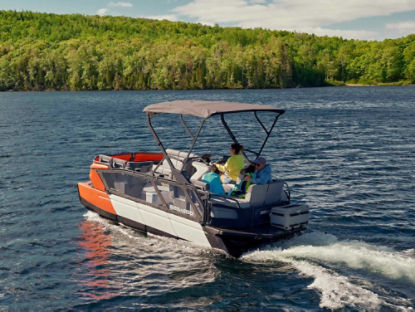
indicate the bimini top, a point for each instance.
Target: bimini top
{"x":206,"y":109}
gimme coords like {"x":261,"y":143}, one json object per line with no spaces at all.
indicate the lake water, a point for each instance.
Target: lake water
{"x":348,"y":152}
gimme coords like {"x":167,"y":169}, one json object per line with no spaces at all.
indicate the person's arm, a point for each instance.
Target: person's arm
{"x":220,"y":167}
{"x":223,"y":168}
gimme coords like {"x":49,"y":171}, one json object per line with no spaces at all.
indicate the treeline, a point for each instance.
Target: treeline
{"x":75,"y":52}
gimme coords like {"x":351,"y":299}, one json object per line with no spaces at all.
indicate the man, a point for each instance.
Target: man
{"x":262,"y":172}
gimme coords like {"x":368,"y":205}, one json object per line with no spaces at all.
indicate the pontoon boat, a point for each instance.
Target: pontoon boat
{"x":162,"y":193}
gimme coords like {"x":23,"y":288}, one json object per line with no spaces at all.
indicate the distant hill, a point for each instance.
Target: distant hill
{"x":76,"y":52}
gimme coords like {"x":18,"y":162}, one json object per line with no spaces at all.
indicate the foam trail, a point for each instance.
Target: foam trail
{"x":336,"y":290}
{"x":355,"y":254}
{"x":306,"y":251}
{"x":359,"y":255}
{"x":93,"y":216}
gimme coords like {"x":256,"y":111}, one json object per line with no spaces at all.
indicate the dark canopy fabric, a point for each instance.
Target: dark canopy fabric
{"x":205,"y":109}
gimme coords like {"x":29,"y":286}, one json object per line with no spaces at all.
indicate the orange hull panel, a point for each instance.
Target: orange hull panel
{"x":94,"y":177}
{"x":96,"y":197}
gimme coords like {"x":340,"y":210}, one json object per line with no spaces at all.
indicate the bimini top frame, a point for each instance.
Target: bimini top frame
{"x":205,"y":110}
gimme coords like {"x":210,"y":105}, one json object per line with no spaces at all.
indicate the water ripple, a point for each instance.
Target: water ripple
{"x":346,"y":152}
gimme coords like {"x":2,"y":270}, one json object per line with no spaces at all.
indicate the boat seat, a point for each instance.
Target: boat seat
{"x":178,"y":160}
{"x":112,"y":161}
{"x":255,"y":197}
{"x":275,"y":193}
{"x":142,"y":166}
{"x":258,"y":195}
{"x":201,"y":169}
{"x":104,"y":158}
{"x":118,"y":163}
{"x":230,"y":202}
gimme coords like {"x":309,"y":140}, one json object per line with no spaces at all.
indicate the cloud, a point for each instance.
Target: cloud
{"x":102,"y":11}
{"x":293,"y":15}
{"x":105,"y":10}
{"x":347,"y":34}
{"x":407,"y":27}
{"x":169,"y":17}
{"x":120,"y":4}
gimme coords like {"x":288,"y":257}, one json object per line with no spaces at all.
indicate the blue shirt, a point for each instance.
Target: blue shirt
{"x":215,"y":185}
{"x":263,"y":176}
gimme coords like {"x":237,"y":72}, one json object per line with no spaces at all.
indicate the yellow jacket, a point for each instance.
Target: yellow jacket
{"x":232,"y":167}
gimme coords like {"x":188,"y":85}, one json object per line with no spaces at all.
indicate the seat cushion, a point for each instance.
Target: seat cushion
{"x":179,"y":154}
{"x":256,"y":194}
{"x":201,"y":169}
{"x":274,"y":193}
{"x":176,"y":157}
{"x":228,"y":202}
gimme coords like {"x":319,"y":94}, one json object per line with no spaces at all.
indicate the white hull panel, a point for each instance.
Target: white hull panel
{"x":169,"y":223}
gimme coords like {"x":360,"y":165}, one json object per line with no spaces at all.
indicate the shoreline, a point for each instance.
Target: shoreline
{"x":392,"y":84}
{"x":298,"y":87}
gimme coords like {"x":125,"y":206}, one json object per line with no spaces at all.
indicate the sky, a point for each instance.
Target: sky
{"x":351,"y":19}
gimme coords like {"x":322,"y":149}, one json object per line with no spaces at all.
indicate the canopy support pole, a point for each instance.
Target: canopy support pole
{"x":195,"y":137}
{"x":260,"y":122}
{"x":268,"y":132}
{"x":186,"y":127}
{"x":222,"y":118}
{"x":176,"y":173}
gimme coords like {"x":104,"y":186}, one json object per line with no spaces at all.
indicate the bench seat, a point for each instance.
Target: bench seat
{"x":256,"y":196}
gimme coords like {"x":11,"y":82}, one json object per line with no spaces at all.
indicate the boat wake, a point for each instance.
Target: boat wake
{"x":337,"y":267}
{"x":321,"y":256}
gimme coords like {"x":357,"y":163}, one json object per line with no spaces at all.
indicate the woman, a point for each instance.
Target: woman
{"x":233,"y":165}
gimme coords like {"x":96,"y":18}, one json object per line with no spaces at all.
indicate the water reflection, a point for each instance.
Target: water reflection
{"x":96,"y":245}
{"x":118,"y":261}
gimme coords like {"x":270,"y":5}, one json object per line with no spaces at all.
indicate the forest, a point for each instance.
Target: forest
{"x":40,"y":51}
